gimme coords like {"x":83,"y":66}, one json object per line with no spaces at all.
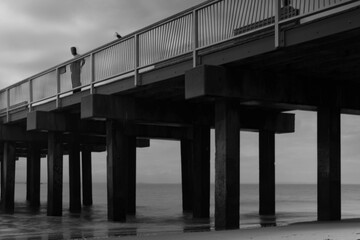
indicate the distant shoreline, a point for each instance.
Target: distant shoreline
{"x":248,"y":184}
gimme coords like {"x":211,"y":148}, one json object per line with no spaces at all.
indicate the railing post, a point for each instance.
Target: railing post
{"x":278,"y":38}
{"x":195,"y":37}
{"x":137,"y":60}
{"x":30,"y":95}
{"x":57,"y":88}
{"x":92,"y":73}
{"x":7,"y":105}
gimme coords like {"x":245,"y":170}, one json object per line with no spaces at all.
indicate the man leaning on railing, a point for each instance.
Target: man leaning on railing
{"x":75,"y":68}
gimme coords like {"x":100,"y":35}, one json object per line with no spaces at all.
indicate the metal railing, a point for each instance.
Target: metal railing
{"x":208,"y":24}
{"x":166,"y":41}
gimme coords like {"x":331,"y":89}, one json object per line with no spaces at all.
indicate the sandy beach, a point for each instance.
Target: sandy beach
{"x":342,"y":230}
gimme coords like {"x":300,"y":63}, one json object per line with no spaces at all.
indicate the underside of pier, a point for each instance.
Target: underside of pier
{"x":245,"y":84}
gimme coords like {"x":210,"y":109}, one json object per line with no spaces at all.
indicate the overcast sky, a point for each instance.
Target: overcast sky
{"x":37,"y":34}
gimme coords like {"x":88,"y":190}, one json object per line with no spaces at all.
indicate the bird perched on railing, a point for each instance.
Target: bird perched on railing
{"x":117,"y":35}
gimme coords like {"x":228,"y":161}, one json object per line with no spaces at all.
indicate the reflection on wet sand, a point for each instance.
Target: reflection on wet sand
{"x":32,"y":224}
{"x":159,"y":210}
{"x":268,"y":221}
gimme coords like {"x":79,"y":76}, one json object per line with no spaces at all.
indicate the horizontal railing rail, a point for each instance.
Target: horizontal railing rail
{"x":205,"y":25}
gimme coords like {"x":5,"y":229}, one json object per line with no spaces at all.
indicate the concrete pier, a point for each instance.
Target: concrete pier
{"x":33,"y":174}
{"x":55,"y":175}
{"x":87,"y":196}
{"x":227,"y":165}
{"x":186,"y":147}
{"x":118,"y":150}
{"x":131,"y":197}
{"x":74,"y":174}
{"x":213,"y":78}
{"x":329,"y":170}
{"x":213,"y":82}
{"x":2,"y":170}
{"x":267,"y":173}
{"x":9,"y":177}
{"x":201,"y":172}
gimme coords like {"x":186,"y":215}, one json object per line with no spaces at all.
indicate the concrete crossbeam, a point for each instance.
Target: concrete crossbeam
{"x":176,"y":115}
{"x":284,"y":91}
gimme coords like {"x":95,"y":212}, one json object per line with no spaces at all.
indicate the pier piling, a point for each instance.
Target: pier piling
{"x":117,"y":169}
{"x":267,"y":172}
{"x":186,"y":149}
{"x":227,"y":165}
{"x":33,"y":174}
{"x":131,"y":204}
{"x":201,"y":172}
{"x":86,"y":177}
{"x":329,"y":173}
{"x":9,"y":177}
{"x":55,"y":174}
{"x":74,"y":174}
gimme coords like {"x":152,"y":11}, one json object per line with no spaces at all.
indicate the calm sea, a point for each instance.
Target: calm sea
{"x":159,"y":210}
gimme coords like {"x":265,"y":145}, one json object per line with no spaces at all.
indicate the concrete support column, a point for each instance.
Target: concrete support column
{"x":33,"y":175}
{"x":2,"y":171}
{"x":267,"y":172}
{"x":117,"y":169}
{"x":227,"y":168}
{"x":86,"y":177}
{"x":9,"y":177}
{"x":201,"y":172}
{"x":186,"y":148}
{"x":28,"y":177}
{"x":74,"y":174}
{"x":329,"y":173}
{"x":55,"y":174}
{"x":131,"y":206}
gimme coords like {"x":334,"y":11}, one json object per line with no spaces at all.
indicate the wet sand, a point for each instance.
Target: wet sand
{"x":339,"y":230}
{"x":159,"y":216}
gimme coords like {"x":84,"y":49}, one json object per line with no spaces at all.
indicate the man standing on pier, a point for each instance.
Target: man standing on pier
{"x":75,"y":68}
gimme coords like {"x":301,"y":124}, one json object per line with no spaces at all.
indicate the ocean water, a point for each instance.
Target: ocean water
{"x":159,"y":210}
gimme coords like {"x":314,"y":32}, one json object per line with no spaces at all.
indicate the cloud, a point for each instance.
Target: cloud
{"x":37,"y":34}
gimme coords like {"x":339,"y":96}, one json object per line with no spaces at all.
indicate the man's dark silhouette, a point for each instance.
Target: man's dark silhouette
{"x":75,"y":68}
